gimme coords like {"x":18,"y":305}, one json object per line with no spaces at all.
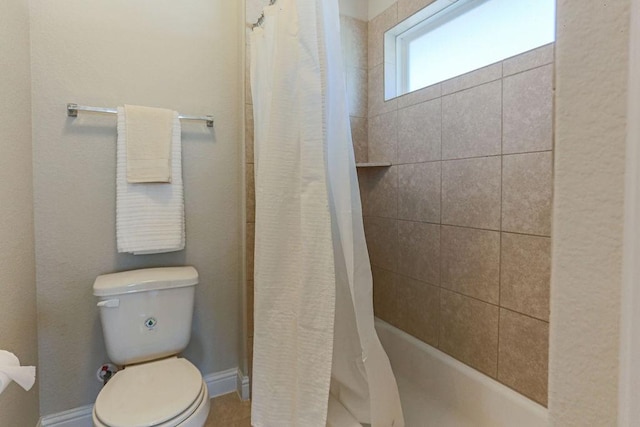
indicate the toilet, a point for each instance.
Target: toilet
{"x":146,"y":319}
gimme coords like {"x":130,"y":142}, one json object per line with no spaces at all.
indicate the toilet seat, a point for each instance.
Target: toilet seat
{"x":164,"y":393}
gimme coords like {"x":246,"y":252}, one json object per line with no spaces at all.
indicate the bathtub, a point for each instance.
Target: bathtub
{"x":437,"y":390}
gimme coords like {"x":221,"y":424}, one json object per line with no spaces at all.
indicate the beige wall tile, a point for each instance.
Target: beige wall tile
{"x":382,"y":242}
{"x":471,"y":192}
{"x":524,"y":354}
{"x":421,"y":95}
{"x":248,"y":99}
{"x":528,"y":60}
{"x":471,"y":262}
{"x":526,"y":194}
{"x":525,"y":274}
{"x":248,"y":133}
{"x":469,"y":331}
{"x":419,"y":132}
{"x":528,"y":110}
{"x":251,"y":193}
{"x":363,"y":176}
{"x":353,"y":33}
{"x":385,"y":295}
{"x":250,"y":308}
{"x":251,"y":239}
{"x":406,"y":8}
{"x":357,"y":84}
{"x":419,"y":309}
{"x":419,"y":192}
{"x":383,"y":138}
{"x":419,"y":251}
{"x":250,"y":355}
{"x":474,"y":78}
{"x":381,"y":188}
{"x":472,"y":122}
{"x":376,"y":103}
{"x":359,"y":134}
{"x":377,"y":27}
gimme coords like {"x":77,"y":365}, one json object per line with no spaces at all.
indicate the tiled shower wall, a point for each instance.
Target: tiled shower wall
{"x":354,"y":42}
{"x":458,"y":228}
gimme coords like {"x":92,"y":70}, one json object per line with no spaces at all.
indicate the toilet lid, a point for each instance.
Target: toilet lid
{"x":149,"y":394}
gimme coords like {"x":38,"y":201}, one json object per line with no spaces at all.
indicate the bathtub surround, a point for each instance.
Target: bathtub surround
{"x":353,"y":33}
{"x":18,"y":318}
{"x":181,"y":58}
{"x":590,"y":305}
{"x":459,"y":226}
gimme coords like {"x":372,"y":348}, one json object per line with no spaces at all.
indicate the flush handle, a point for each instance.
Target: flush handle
{"x":109,"y":303}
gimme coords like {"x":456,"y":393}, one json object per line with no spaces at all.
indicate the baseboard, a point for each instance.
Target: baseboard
{"x":218,"y":383}
{"x":221,"y":383}
{"x":242,"y":385}
{"x":78,"y":417}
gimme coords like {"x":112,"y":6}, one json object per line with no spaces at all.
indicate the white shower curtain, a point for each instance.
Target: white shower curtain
{"x":314,"y":331}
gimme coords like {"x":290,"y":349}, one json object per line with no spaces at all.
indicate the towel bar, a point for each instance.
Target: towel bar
{"x":72,"y":111}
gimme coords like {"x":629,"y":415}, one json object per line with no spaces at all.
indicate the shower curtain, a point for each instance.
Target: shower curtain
{"x":314,"y":331}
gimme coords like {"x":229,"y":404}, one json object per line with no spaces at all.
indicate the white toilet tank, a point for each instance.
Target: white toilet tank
{"x":146,"y":314}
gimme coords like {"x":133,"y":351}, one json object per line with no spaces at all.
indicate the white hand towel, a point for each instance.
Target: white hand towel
{"x":149,"y":217}
{"x":10,"y":370}
{"x":149,"y":135}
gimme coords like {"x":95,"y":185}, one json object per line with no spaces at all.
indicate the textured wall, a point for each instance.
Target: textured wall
{"x":107,"y":53}
{"x":17,"y":267}
{"x":458,"y":228}
{"x":591,"y":108}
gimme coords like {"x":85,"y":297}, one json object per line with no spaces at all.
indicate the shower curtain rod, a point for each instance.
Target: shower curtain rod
{"x":72,"y":111}
{"x":261,"y":18}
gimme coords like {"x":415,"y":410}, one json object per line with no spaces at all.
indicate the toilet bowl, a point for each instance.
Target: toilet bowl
{"x":146,"y":319}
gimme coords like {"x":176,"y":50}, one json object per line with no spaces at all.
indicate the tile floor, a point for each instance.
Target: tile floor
{"x":229,"y":411}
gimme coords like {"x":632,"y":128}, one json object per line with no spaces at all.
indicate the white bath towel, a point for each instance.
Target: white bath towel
{"x":149,"y":138}
{"x":149,"y":217}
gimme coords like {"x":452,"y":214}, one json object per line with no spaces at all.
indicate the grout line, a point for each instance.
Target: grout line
{"x":472,"y":86}
{"x":501,"y":212}
{"x":460,"y":226}
{"x":453,"y":291}
{"x":524,"y":314}
{"x":528,"y":152}
{"x":466,"y":158}
{"x":528,"y":69}
{"x":439,"y":338}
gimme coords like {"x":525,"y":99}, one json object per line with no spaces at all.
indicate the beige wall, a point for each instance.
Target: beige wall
{"x":18,"y":332}
{"x":183,"y":56}
{"x":458,"y":228}
{"x":591,"y":108}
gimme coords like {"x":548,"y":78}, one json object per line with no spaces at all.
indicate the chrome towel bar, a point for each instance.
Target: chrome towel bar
{"x":72,"y":111}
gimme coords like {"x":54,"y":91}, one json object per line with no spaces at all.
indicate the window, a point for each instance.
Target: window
{"x":453,"y":37}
